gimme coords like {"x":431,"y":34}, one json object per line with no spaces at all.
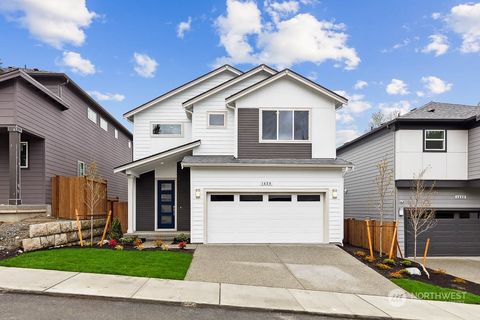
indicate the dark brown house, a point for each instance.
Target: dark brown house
{"x":49,"y":126}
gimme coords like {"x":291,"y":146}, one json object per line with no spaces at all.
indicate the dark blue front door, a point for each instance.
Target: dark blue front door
{"x":166,"y":204}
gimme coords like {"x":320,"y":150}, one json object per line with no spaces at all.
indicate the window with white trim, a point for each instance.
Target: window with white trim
{"x":81,"y":168}
{"x":434,"y":140}
{"x":285,"y":125}
{"x":103,"y":124}
{"x":167,"y":129}
{"x":116,"y":134}
{"x":92,"y":115}
{"x":129,"y":144}
{"x":24,"y":154}
{"x":217,"y":119}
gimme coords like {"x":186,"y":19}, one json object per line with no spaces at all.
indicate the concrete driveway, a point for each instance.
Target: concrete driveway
{"x":467,"y":268}
{"x":312,"y":267}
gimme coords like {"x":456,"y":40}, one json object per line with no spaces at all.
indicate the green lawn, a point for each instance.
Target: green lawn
{"x":153,"y":264}
{"x":431,"y":292}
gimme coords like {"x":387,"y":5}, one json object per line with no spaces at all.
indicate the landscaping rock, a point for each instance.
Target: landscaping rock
{"x":38,"y":230}
{"x":53,"y":228}
{"x":31,"y":244}
{"x":413,"y":271}
{"x":60,"y":239}
{"x":66,"y":226}
{"x":47,"y":241}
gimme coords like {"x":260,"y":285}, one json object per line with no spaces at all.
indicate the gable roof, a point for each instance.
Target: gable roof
{"x":128,"y":115}
{"x":228,"y":83}
{"x":293,"y":75}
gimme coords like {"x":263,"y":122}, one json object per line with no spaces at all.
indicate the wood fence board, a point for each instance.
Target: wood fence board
{"x":355,"y":233}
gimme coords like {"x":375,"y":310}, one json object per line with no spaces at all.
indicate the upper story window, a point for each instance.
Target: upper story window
{"x":167,"y":129}
{"x":434,"y":140}
{"x":24,"y":155}
{"x":92,"y":115}
{"x":116,"y":134}
{"x":285,"y":125}
{"x":81,"y":168}
{"x":129,"y":144}
{"x":217,"y":119}
{"x":103,"y":124}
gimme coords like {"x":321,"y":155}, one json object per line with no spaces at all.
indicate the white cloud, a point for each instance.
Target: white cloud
{"x":360,"y":84}
{"x":279,"y":10}
{"x":420,"y":93}
{"x":356,"y":105}
{"x":77,"y":64}
{"x":247,"y":40}
{"x":392,"y":110}
{"x":397,"y":87}
{"x":464,"y":19}
{"x":145,"y":66}
{"x":183,"y":27}
{"x":344,"y":117}
{"x":346,"y":135}
{"x":106,"y":96}
{"x":436,"y":85}
{"x":436,"y":15}
{"x":438,"y":44}
{"x":396,"y":46}
{"x":55,"y":22}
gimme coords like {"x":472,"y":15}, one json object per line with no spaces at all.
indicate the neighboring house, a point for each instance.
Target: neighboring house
{"x":442,"y":138}
{"x":234,"y":157}
{"x":49,"y":126}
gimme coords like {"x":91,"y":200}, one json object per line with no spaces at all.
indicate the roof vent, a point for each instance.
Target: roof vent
{"x":431,"y":110}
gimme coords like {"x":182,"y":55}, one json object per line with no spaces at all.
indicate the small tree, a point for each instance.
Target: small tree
{"x":376,"y":120}
{"x":383,"y":181}
{"x":421,"y":215}
{"x":94,"y":193}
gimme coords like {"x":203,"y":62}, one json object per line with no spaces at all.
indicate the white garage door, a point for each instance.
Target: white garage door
{"x":265,"y":218}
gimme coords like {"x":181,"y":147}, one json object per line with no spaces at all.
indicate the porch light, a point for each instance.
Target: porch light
{"x":197,"y":193}
{"x":334,"y":193}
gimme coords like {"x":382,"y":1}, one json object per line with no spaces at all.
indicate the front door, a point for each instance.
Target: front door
{"x":166,"y":204}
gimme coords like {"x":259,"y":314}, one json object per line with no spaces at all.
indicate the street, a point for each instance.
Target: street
{"x":15,"y":306}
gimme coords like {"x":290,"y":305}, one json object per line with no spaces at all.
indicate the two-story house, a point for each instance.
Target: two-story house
{"x":238,"y":157}
{"x":442,"y":139}
{"x":50,"y":126}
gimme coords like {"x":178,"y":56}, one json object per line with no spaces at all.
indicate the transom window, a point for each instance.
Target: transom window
{"x":434,"y":140}
{"x":216,"y":119}
{"x":285,"y":125}
{"x":167,"y":129}
{"x":103,"y":124}
{"x":24,"y":155}
{"x":92,"y":115}
{"x":116,"y":134}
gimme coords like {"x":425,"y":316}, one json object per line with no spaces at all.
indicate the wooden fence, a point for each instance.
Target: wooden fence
{"x":119,"y":211}
{"x":355,"y":233}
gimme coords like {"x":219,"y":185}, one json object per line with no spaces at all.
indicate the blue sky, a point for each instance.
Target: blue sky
{"x":400,"y":54}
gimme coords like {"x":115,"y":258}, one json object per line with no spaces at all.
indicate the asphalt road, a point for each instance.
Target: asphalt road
{"x":42,"y":307}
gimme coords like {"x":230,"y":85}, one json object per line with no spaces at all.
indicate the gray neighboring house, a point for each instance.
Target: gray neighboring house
{"x":49,"y":126}
{"x":441,"y":137}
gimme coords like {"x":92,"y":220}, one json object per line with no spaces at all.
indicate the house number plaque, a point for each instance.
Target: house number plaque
{"x":266,"y":183}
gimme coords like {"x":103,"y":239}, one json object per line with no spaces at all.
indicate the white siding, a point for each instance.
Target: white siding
{"x":218,"y":141}
{"x":168,"y":111}
{"x":287,"y":93}
{"x":410,"y":158}
{"x":282,"y":179}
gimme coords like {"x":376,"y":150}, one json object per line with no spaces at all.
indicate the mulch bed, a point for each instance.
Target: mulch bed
{"x":129,"y":247}
{"x":441,"y":280}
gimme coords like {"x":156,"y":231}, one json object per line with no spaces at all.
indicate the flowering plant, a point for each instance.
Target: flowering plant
{"x":112,"y":243}
{"x":182,"y":245}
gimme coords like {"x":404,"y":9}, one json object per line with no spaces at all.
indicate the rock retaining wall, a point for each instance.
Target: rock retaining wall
{"x":60,"y":233}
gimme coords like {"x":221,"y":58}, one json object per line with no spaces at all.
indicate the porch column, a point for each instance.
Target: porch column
{"x":14,"y":135}
{"x":132,"y":196}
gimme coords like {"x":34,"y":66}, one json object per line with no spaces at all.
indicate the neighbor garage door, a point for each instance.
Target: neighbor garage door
{"x":457,"y":233}
{"x":265,"y":218}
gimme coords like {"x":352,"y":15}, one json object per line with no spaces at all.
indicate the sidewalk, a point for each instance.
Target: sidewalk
{"x":221,"y":294}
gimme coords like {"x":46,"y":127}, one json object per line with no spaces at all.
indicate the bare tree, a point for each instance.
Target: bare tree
{"x":421,"y":215}
{"x":94,"y":193}
{"x":376,"y":120}
{"x":383,"y":181}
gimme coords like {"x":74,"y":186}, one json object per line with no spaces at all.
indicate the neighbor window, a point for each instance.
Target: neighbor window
{"x":285,"y":125}
{"x":434,"y":140}
{"x":116,"y":134}
{"x":81,"y":168}
{"x":103,"y":124}
{"x":221,"y":197}
{"x":129,"y":144}
{"x":24,"y":154}
{"x":280,"y":198}
{"x":92,"y":115}
{"x":308,"y":198}
{"x":216,"y":119}
{"x":166,"y":129}
{"x":251,"y":197}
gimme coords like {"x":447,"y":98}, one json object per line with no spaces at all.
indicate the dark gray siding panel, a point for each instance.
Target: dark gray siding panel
{"x":474,"y":153}
{"x":7,"y":102}
{"x":250,"y":148}
{"x":33,"y":177}
{"x":4,"y":186}
{"x":183,"y":198}
{"x":145,"y":202}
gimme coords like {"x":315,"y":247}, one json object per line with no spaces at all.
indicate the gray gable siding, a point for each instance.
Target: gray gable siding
{"x":474,"y":153}
{"x":7,"y":103}
{"x":33,"y":184}
{"x":4,"y":188}
{"x":361,"y":198}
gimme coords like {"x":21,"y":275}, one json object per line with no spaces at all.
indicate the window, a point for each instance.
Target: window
{"x":285,"y":125}
{"x":103,"y":124}
{"x":23,"y":154}
{"x":308,"y":198}
{"x":444,"y":215}
{"x":221,"y":197}
{"x":167,"y":129}
{"x":434,"y":140}
{"x":92,"y":115}
{"x":280,"y":198}
{"x":216,"y":119}
{"x":129,"y":144}
{"x":81,"y":168}
{"x":116,"y":134}
{"x":251,"y":197}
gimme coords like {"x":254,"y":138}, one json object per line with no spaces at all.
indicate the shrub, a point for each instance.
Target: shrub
{"x":165,"y":247}
{"x":127,"y":240}
{"x":112,"y":243}
{"x":406,"y":263}
{"x":182,"y":245}
{"x":158,"y":243}
{"x":137,"y":242}
{"x":396,"y":275}
{"x":404,"y":271}
{"x":116,"y":229}
{"x":383,"y":266}
{"x":369,"y":259}
{"x":389,"y":262}
{"x":360,"y":253}
{"x":182,"y":237}
{"x":459,"y":281}
{"x":140,"y":247}
{"x":439,"y":271}
{"x":118,"y":247}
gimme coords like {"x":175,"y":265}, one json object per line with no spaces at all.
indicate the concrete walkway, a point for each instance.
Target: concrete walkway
{"x":230,"y":295}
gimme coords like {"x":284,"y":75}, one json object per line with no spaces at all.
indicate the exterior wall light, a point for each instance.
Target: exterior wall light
{"x":197,"y":193}
{"x":334,"y":193}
